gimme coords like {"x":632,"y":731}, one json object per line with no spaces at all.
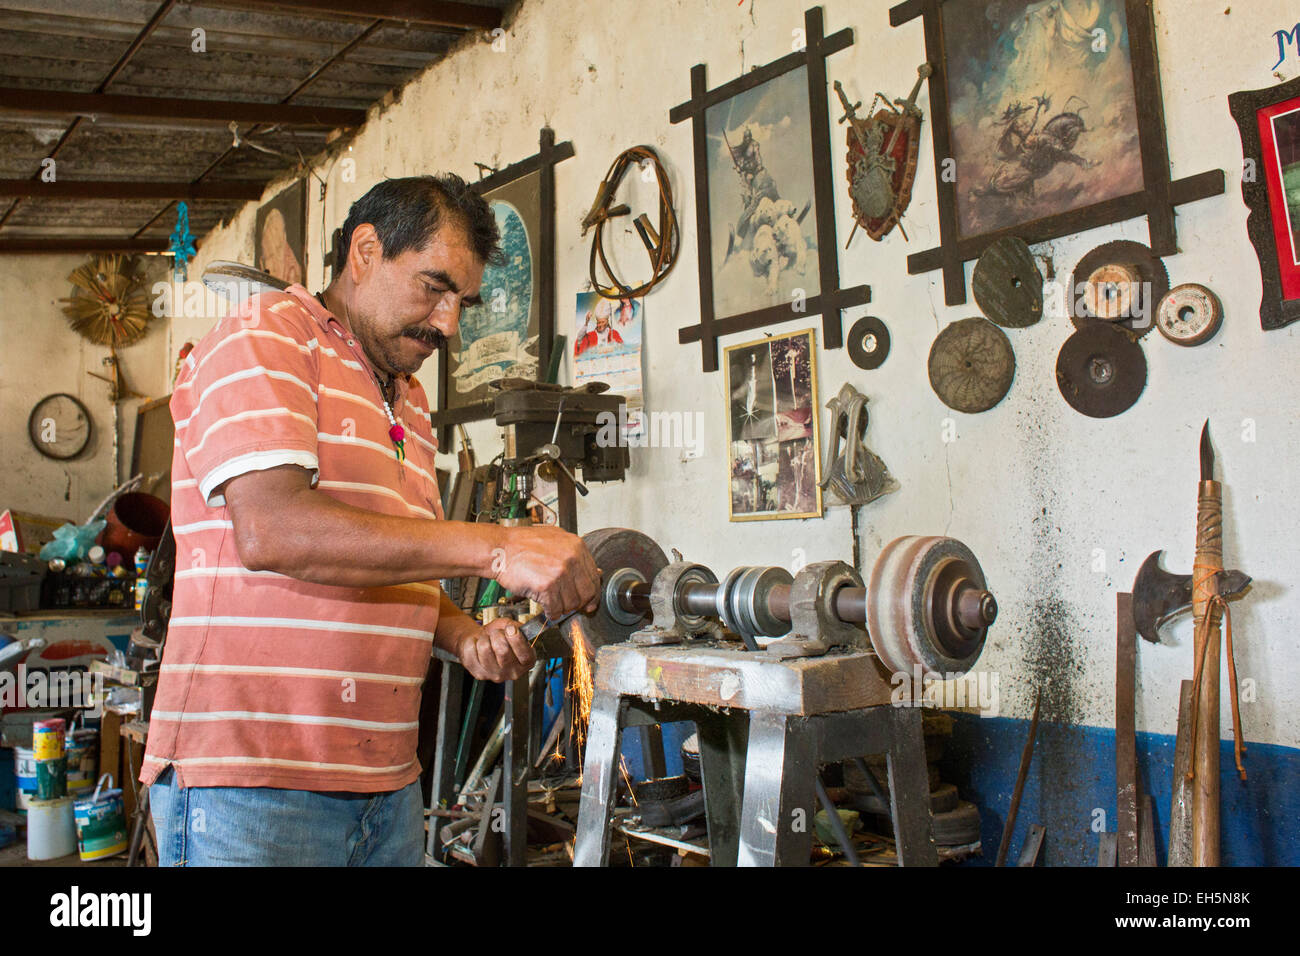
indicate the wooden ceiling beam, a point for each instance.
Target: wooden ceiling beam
{"x":116,"y":189}
{"x":74,"y":244}
{"x":430,"y":13}
{"x":158,"y":16}
{"x":163,"y":108}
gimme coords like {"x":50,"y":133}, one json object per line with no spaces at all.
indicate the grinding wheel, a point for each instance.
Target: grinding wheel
{"x":910,"y":599}
{"x":1100,"y":370}
{"x":1189,"y":314}
{"x":868,"y":342}
{"x":622,"y":555}
{"x":1007,"y":284}
{"x":1120,"y":282}
{"x":971,"y":365}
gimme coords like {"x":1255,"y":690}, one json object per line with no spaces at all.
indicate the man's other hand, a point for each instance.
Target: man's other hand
{"x":550,"y":566}
{"x":496,"y":652}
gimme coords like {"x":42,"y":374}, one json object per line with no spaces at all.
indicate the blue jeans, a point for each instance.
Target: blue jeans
{"x":263,"y":826}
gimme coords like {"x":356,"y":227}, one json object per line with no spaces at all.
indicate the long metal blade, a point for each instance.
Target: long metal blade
{"x":1207,"y":454}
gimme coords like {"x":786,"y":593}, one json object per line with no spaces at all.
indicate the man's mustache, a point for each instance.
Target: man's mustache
{"x":430,"y":337}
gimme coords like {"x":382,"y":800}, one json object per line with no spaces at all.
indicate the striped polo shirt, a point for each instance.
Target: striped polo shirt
{"x":268,"y":681}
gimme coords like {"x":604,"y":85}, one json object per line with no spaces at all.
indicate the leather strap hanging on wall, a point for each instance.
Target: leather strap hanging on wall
{"x":661,"y":244}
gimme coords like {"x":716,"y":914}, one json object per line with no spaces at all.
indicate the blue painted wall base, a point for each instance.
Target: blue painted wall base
{"x":1071,"y":788}
{"x":1072,"y":778}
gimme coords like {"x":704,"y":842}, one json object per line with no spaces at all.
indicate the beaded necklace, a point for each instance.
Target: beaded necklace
{"x":395,"y":431}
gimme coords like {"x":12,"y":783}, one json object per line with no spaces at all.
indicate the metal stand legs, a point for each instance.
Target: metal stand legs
{"x":759,"y":769}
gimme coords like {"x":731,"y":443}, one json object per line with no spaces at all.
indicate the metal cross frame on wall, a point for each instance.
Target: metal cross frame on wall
{"x":548,"y":155}
{"x":1157,"y":198}
{"x":830,"y":299}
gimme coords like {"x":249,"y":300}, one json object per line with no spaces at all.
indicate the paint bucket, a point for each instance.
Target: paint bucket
{"x":101,"y":824}
{"x":136,"y":520}
{"x":51,"y":830}
{"x":51,"y":778}
{"x":83,"y":747}
{"x":25,"y":771}
{"x":48,"y":738}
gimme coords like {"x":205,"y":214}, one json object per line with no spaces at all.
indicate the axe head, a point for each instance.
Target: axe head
{"x":1159,"y":595}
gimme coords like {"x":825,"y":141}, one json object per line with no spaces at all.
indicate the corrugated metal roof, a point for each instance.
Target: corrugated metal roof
{"x":256,"y":52}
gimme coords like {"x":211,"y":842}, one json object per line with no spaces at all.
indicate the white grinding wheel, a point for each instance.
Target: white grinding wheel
{"x":900,"y":600}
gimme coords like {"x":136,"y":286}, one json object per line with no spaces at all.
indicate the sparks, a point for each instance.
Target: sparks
{"x":580,"y":685}
{"x":622,"y":768}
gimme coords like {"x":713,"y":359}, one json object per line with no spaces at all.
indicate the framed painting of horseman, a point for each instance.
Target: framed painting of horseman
{"x":1048,"y":121}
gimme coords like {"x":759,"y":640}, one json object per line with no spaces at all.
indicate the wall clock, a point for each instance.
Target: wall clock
{"x":59,"y":426}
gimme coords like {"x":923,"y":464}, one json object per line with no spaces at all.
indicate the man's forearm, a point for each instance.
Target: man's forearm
{"x":316,"y":538}
{"x":454,"y":625}
{"x":282,"y":524}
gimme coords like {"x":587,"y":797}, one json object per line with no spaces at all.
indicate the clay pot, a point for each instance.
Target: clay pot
{"x":136,"y":520}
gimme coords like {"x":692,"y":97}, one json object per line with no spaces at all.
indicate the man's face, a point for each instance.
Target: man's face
{"x":602,"y":323}
{"x":407,"y":306}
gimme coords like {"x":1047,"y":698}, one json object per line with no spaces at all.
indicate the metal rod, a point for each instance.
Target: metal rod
{"x":975,"y":607}
{"x":492,"y":749}
{"x":872,"y":781}
{"x":836,"y":824}
{"x":1026,"y":755}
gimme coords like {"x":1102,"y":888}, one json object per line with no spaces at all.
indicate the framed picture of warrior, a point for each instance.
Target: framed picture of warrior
{"x":772,"y":462}
{"x":511,"y":332}
{"x":1269,"y":123}
{"x":761,"y":202}
{"x":1048,"y":121}
{"x":764,"y":197}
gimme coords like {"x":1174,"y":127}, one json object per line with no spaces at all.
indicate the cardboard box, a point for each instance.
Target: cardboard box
{"x":24,"y":533}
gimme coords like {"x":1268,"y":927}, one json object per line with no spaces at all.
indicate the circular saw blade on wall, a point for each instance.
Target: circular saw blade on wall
{"x":108,"y":304}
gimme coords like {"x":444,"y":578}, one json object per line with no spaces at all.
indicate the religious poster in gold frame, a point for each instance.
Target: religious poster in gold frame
{"x":773,"y":466}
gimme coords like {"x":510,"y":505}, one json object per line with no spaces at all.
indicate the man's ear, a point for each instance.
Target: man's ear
{"x":364,"y":252}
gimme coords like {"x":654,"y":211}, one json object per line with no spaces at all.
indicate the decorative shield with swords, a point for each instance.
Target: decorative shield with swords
{"x":882,"y":158}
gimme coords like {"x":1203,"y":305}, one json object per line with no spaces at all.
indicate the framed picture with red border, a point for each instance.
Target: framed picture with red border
{"x":1269,"y":123}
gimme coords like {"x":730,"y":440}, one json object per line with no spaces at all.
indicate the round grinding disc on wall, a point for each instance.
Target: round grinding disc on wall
{"x":868,"y":342}
{"x":1190,"y":314}
{"x":1118,"y":282}
{"x":1007,"y":284}
{"x":971,"y":365}
{"x":1100,"y":370}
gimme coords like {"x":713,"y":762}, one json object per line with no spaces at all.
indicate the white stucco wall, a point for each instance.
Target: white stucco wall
{"x":41,"y":355}
{"x":1033,"y":487}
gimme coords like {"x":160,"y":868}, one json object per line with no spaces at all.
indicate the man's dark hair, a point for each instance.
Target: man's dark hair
{"x":407,"y":212}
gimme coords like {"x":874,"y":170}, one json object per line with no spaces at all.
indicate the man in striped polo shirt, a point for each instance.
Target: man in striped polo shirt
{"x":309,"y":544}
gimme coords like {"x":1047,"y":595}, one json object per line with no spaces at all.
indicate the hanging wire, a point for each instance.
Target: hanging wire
{"x":661,"y":245}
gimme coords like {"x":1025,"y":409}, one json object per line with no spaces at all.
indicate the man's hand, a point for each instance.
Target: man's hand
{"x":550,"y":566}
{"x":496,"y":652}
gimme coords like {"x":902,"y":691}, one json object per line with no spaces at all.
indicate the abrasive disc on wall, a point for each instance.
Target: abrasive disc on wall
{"x":1100,"y":370}
{"x":1007,"y":284}
{"x":868,"y":342}
{"x":1190,"y":314}
{"x":971,"y":365}
{"x":1119,"y":282}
